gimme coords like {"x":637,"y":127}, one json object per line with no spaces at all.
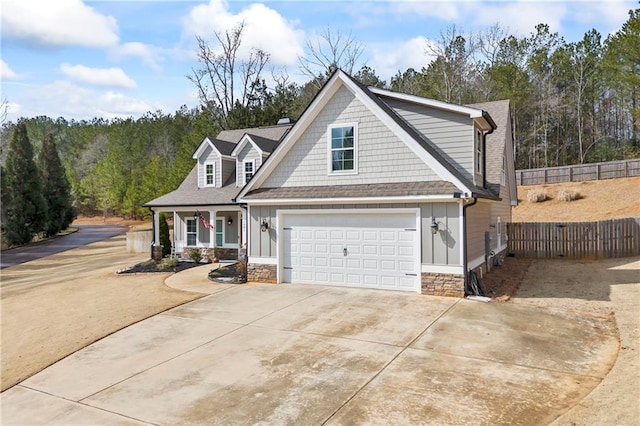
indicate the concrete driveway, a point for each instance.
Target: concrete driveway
{"x":295,"y":354}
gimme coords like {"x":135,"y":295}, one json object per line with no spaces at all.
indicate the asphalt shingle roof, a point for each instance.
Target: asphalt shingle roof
{"x":355,"y":191}
{"x":188,"y":193}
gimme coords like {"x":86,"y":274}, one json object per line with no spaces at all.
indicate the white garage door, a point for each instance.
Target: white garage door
{"x":353,"y":250}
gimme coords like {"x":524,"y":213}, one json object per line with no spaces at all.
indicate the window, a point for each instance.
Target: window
{"x":479,"y":151}
{"x":342,"y":146}
{"x":248,"y":170}
{"x":220,"y":231}
{"x":192,"y":232}
{"x":209,"y":174}
{"x":503,"y":175}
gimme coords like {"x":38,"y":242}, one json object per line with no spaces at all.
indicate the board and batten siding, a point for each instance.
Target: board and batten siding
{"x":440,"y":249}
{"x":247,"y":153}
{"x":382,"y":156}
{"x":209,"y":156}
{"x":452,"y":134}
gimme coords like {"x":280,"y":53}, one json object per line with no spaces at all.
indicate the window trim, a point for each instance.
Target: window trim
{"x":213,"y":167}
{"x":244,"y":172}
{"x":479,"y":151}
{"x":330,"y":170}
{"x":222,"y":231}
{"x":503,"y":174}
{"x":186,"y":232}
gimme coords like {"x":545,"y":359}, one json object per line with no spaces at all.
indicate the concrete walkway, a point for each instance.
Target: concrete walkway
{"x":195,"y":279}
{"x":296,"y":354}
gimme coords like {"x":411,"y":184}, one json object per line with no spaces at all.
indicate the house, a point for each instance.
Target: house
{"x":205,"y":216}
{"x":377,"y":189}
{"x":371,"y":188}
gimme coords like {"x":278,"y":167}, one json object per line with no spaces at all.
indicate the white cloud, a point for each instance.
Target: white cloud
{"x":145,"y":52}
{"x":444,"y":10}
{"x":520,"y":17}
{"x":65,"y":99}
{"x":112,"y":104}
{"x":6,"y":73}
{"x":57,"y":23}
{"x":109,"y":77}
{"x":264,"y":28}
{"x":389,"y":58}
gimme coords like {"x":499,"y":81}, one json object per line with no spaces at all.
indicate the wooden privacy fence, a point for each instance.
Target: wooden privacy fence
{"x":576,"y":240}
{"x":579,"y":172}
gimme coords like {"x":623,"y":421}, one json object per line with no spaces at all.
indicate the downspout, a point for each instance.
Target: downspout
{"x":465,"y":256}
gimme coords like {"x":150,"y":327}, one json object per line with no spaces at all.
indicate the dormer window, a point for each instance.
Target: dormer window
{"x":249,"y":169}
{"x":209,"y":174}
{"x":343,"y":145}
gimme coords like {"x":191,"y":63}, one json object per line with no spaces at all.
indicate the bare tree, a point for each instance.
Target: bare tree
{"x":329,"y":52}
{"x":454,"y":67}
{"x":223,"y":80}
{"x":4,"y":111}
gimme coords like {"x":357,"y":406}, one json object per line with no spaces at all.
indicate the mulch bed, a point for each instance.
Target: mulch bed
{"x":227,"y":274}
{"x":503,"y":281}
{"x":151,"y":266}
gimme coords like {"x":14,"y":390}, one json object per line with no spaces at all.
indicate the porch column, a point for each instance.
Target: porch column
{"x":156,"y":248}
{"x":241,"y":225}
{"x":212,"y":231}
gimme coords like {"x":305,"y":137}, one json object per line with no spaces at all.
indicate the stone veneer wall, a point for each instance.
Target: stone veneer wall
{"x":226,"y":253}
{"x":438,"y":284}
{"x":260,"y":273}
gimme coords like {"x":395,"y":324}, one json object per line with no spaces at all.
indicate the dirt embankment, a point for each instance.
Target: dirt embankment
{"x":599,"y":200}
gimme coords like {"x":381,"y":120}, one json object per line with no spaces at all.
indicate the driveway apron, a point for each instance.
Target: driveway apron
{"x":296,"y":354}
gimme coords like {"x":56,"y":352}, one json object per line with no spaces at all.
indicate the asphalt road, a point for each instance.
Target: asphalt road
{"x":86,"y":234}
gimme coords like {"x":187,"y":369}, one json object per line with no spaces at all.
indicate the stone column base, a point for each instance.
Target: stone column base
{"x":438,"y":284}
{"x":156,"y":253}
{"x":260,"y":273}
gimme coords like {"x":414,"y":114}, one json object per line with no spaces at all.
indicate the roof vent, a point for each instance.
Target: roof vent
{"x":285,"y":120}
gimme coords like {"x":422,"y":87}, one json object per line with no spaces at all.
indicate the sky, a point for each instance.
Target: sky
{"x":84,"y":59}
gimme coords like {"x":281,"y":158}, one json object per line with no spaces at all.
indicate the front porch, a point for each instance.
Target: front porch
{"x":207,"y":228}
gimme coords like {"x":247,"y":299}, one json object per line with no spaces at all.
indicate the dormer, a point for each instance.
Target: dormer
{"x":215,"y":163}
{"x":250,"y":153}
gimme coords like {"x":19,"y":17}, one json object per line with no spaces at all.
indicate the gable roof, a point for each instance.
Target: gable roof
{"x":269,"y":132}
{"x":412,"y":138}
{"x":472,"y":111}
{"x":222,"y":147}
{"x":262,"y":145}
{"x":188,"y":193}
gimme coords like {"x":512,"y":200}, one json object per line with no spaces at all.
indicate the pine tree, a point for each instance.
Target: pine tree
{"x":165,"y":241}
{"x":25,"y":210}
{"x":55,"y":188}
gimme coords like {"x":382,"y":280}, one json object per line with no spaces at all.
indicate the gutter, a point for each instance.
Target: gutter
{"x":465,"y":260}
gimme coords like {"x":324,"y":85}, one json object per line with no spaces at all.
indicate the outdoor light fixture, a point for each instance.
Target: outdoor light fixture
{"x":264,"y":225}
{"x":434,"y":227}
{"x":195,"y":216}
{"x":230,"y":222}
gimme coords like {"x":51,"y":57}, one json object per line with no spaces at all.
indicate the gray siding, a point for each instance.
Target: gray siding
{"x":209,"y":156}
{"x":440,"y":249}
{"x":228,"y":170}
{"x":247,"y":153}
{"x":382,"y":157}
{"x":450,"y":133}
{"x":478,"y":220}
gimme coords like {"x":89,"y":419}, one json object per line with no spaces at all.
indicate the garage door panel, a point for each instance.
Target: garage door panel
{"x":387,"y":250}
{"x":379,"y":251}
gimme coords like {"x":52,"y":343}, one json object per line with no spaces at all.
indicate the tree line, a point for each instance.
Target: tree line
{"x":572,"y":102}
{"x":36,"y":197}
